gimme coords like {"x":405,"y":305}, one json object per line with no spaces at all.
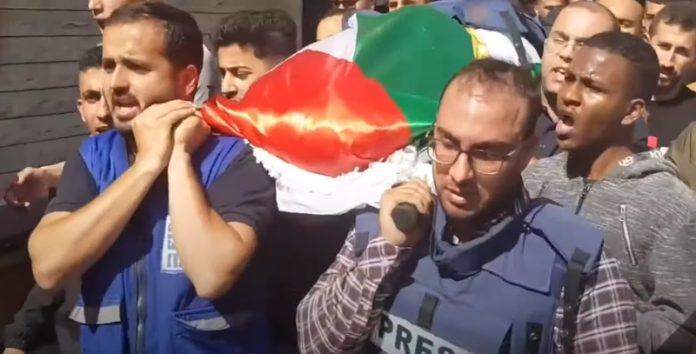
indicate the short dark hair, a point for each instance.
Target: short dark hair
{"x":680,"y":13}
{"x":271,"y":33}
{"x":646,"y":67}
{"x":183,"y":38}
{"x":91,"y":59}
{"x":509,"y":77}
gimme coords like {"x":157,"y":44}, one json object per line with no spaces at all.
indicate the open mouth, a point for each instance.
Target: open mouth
{"x":566,"y":121}
{"x":125,"y":108}
{"x":560,"y":71}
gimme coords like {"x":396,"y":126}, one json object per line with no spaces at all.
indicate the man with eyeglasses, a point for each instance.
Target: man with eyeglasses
{"x":486,"y":269}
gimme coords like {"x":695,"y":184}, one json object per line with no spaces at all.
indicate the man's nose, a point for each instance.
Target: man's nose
{"x":229,"y":88}
{"x":461,"y":170}
{"x":569,"y":95}
{"x":103,"y":113}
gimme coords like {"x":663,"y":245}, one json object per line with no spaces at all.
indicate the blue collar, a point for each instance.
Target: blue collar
{"x":467,"y":258}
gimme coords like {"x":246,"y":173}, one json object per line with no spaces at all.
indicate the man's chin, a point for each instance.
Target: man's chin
{"x":456,"y":212}
{"x":123,"y":127}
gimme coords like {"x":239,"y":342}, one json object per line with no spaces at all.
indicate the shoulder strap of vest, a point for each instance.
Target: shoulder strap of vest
{"x":581,"y":247}
{"x":366,"y":228}
{"x":574,"y":287}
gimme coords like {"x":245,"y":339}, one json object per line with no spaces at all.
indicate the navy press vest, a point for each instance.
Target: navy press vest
{"x":496,"y":294}
{"x":137,"y":299}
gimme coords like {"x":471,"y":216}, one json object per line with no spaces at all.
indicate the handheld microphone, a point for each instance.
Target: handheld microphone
{"x":406,"y":217}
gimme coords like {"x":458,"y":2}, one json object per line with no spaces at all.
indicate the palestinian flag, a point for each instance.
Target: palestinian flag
{"x":325,"y":121}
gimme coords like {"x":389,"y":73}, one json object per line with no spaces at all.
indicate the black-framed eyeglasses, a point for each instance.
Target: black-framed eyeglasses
{"x":482,"y":161}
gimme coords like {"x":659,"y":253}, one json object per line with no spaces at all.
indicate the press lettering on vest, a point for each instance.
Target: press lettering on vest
{"x":395,"y":335}
{"x":170,"y":259}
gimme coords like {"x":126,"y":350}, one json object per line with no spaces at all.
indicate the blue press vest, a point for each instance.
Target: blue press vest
{"x":137,"y":299}
{"x":496,"y":294}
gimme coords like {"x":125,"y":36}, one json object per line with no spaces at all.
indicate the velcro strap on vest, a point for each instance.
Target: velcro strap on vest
{"x":535,"y":332}
{"x":575,"y":282}
{"x":426,"y":313}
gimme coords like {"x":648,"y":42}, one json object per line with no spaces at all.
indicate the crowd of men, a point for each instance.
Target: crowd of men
{"x":563,"y":218}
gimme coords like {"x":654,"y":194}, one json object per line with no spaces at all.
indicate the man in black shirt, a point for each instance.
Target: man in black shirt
{"x":156,"y":228}
{"x":673,"y":36}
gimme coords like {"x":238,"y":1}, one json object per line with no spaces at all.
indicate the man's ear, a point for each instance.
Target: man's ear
{"x":189,"y":79}
{"x":636,"y":110}
{"x":79,"y":109}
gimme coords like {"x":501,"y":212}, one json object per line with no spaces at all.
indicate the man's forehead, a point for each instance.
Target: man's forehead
{"x":599,"y":65}
{"x":466,"y":103}
{"x":675,"y":33}
{"x":139,"y":35}
{"x":578,"y":21}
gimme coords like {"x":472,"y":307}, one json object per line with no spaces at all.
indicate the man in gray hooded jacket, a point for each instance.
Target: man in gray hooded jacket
{"x":647,"y":214}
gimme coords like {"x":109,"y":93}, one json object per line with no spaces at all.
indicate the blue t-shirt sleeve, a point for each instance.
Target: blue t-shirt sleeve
{"x":76,"y":187}
{"x":244,"y":193}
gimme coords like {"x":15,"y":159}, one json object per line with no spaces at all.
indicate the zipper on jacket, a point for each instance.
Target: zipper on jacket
{"x":140,"y":290}
{"x":627,"y":238}
{"x":585,"y":190}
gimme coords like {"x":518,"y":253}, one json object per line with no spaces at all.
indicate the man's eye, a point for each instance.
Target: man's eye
{"x":486,"y":155}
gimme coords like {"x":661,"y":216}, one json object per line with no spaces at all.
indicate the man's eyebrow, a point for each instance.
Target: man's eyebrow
{"x":90,"y":92}
{"x":445,"y":134}
{"x":561,"y":34}
{"x":493,"y":146}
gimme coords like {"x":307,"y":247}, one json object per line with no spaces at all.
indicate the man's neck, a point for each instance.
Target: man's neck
{"x":130,"y":142}
{"x":548,"y":100}
{"x":477,"y":226}
{"x":596,"y":164}
{"x":667,"y":94}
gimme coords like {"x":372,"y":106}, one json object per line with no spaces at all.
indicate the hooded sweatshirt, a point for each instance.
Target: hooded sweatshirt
{"x":648,"y":217}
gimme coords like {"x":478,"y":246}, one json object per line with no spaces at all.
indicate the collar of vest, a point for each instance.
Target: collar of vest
{"x":503,"y":250}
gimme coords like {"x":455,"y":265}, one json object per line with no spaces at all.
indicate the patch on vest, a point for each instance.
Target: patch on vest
{"x":394,"y":335}
{"x":170,"y":259}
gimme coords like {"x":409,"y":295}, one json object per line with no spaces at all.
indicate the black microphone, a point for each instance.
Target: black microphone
{"x":406,"y":217}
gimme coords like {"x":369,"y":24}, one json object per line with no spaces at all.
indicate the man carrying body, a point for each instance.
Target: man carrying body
{"x":673,"y":36}
{"x":249,"y":44}
{"x":486,"y":275}
{"x":44,"y":315}
{"x":629,"y":14}
{"x":166,"y":260}
{"x":648,"y":216}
